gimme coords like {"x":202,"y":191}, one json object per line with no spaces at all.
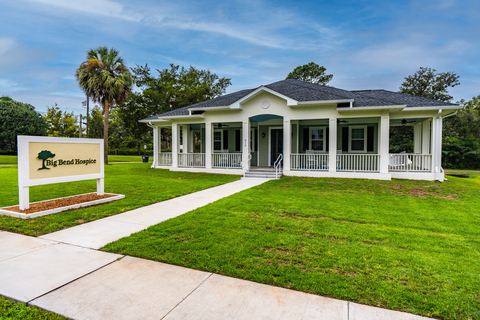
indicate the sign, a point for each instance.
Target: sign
{"x":46,"y":160}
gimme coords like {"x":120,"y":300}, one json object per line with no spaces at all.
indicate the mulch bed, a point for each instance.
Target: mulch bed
{"x":58,"y":203}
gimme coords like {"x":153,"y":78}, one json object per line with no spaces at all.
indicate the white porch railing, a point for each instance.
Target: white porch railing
{"x":226,"y":160}
{"x":278,"y":165}
{"x":358,"y":162}
{"x":301,"y":161}
{"x":245,"y":164}
{"x":407,"y":162}
{"x":165,"y":159}
{"x":191,"y":160}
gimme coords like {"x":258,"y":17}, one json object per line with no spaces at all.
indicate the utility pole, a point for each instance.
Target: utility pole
{"x":86,"y":102}
{"x":80,"y":131}
{"x":88,"y":115}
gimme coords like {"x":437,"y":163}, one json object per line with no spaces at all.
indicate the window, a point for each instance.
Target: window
{"x":358,"y":139}
{"x":238,"y":140}
{"x":317,"y":139}
{"x":217,"y":140}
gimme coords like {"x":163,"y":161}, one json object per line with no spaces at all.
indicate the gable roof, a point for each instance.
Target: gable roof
{"x":307,"y":92}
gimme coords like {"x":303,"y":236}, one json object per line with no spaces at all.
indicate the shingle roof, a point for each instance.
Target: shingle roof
{"x":402,"y":98}
{"x":221,"y":101}
{"x":304,"y":91}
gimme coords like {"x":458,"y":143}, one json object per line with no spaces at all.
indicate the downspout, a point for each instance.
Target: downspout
{"x":154,"y":145}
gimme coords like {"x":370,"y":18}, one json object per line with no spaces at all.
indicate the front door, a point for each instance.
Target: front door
{"x":276,"y":144}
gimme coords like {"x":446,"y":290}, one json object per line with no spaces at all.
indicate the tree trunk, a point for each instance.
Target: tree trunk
{"x":105,"y":132}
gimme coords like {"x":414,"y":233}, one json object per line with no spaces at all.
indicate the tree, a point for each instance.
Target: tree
{"x":105,"y":78}
{"x":473,"y":104}
{"x":17,"y":118}
{"x":171,"y":89}
{"x":176,"y":88}
{"x":61,"y":123}
{"x":311,"y":72}
{"x":427,"y":83}
{"x":96,"y":122}
{"x":461,"y":136}
{"x":401,"y":139}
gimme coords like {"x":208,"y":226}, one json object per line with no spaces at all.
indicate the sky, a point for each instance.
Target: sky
{"x":364,"y":44}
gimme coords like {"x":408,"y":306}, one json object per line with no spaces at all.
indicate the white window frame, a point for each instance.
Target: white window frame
{"x":310,"y":138}
{"x":364,"y":139}
{"x":221,"y":140}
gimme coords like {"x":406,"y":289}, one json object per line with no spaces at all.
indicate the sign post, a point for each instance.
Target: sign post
{"x":46,"y":160}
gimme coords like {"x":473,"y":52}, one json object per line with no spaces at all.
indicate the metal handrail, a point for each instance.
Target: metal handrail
{"x":245,"y":162}
{"x":277,"y":164}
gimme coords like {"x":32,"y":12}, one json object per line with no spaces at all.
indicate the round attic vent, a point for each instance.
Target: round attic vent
{"x":265,"y":104}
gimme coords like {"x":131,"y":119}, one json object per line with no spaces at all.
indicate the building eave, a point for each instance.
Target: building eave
{"x":193,"y":116}
{"x":152,"y":120}
{"x":303,"y":103}
{"x":210,"y":108}
{"x":390,"y":108}
{"x":426,"y":108}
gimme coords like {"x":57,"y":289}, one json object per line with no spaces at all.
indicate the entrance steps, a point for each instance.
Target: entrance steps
{"x":263,"y":172}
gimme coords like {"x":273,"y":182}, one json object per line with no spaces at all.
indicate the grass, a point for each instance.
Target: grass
{"x":403,"y":245}
{"x":111,"y":158}
{"x":140,"y":185}
{"x":10,"y":310}
{"x":8,"y":159}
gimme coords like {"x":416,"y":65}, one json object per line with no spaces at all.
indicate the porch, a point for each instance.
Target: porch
{"x":361,"y":147}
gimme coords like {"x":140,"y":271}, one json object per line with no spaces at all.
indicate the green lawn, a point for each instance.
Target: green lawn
{"x":8,"y":159}
{"x":140,"y":185}
{"x":10,"y":310}
{"x":403,"y":245}
{"x":111,"y":158}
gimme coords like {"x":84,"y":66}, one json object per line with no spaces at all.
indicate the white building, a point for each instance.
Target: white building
{"x":304,"y":129}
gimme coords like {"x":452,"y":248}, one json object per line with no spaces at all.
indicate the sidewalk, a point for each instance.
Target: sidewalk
{"x":62,"y":272}
{"x":98,"y":233}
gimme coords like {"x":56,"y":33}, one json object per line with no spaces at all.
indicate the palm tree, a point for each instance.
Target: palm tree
{"x":105,"y":78}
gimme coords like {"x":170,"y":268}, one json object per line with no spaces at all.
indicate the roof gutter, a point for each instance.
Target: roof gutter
{"x":425,"y":108}
{"x":300,"y":103}
{"x":212,"y":108}
{"x":449,"y":115}
{"x":152,"y":120}
{"x":193,"y":116}
{"x":397,"y":107}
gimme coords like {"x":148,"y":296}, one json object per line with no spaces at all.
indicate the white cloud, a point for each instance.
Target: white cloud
{"x":14,"y":55}
{"x":7,"y":86}
{"x":240,"y":32}
{"x":96,"y":7}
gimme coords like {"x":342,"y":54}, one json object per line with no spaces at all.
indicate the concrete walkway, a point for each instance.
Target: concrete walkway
{"x":98,"y":233}
{"x":61,"y":272}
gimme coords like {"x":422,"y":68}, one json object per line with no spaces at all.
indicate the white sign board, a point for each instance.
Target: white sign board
{"x":46,"y":160}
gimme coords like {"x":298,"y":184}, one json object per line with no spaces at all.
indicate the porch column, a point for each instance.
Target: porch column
{"x":383,"y":142}
{"x":184,"y":138}
{"x":287,"y":143}
{"x":332,"y":145}
{"x":208,"y":145}
{"x":426,"y":137}
{"x":417,"y":138}
{"x":156,"y":149}
{"x":246,"y":140}
{"x":437,"y":146}
{"x":174,"y":145}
